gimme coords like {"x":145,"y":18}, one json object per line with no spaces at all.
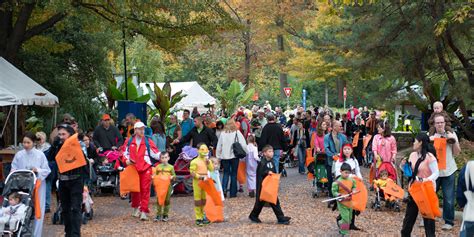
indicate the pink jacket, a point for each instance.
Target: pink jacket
{"x":318,"y":142}
{"x":386,"y":147}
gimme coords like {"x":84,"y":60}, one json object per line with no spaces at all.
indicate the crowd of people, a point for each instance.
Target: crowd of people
{"x":263,"y":135}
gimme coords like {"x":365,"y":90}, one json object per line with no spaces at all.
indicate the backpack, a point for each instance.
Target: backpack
{"x":147,"y":144}
{"x":467,"y":226}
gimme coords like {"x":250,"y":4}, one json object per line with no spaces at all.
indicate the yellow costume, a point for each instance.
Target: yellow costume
{"x":199,"y":168}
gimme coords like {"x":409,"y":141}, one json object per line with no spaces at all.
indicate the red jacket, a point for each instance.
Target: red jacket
{"x":139,"y":156}
{"x":356,"y":112}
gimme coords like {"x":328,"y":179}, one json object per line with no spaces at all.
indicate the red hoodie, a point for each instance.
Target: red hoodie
{"x":138,"y":156}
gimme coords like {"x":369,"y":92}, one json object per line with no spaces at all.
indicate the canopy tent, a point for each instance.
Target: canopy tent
{"x":196,"y":96}
{"x":16,"y":88}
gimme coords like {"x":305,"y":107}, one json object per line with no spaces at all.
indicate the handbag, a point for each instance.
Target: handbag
{"x":407,"y":172}
{"x":237,"y":148}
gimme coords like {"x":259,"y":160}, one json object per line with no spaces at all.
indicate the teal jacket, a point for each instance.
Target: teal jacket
{"x":330,"y":146}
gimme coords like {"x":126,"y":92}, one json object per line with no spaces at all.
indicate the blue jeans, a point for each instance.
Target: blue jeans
{"x":301,"y":158}
{"x":48,"y":194}
{"x":447,"y":184}
{"x":230,"y":169}
{"x":276,"y":160}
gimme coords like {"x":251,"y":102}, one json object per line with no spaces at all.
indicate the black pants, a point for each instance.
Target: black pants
{"x":330,"y":179}
{"x":70,"y":193}
{"x":410,"y":220}
{"x":260,"y":204}
{"x":358,"y":152}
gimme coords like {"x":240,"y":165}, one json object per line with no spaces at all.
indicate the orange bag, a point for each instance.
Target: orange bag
{"x":211,"y":191}
{"x":355,"y":140}
{"x":310,"y":176}
{"x":371,"y":175}
{"x":161,"y":184}
{"x":440,"y":146}
{"x":70,"y":156}
{"x":214,"y":213}
{"x":309,"y":157}
{"x":129,"y":180}
{"x":425,"y":197}
{"x":393,"y":190}
{"x":269,"y":191}
{"x":36,"y":197}
{"x":365,"y":143}
{"x":242,"y":172}
{"x":359,"y":200}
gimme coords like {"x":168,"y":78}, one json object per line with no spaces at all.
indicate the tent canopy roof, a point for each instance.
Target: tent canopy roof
{"x":195,"y":94}
{"x":16,"y":88}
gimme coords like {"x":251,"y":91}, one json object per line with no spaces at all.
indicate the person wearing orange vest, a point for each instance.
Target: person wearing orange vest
{"x":139,"y":155}
{"x":344,"y":185}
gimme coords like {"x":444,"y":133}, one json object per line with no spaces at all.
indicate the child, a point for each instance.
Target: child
{"x":381,"y":183}
{"x":199,"y":168}
{"x":438,"y":109}
{"x":252,"y":160}
{"x":342,"y":186}
{"x":164,"y":168}
{"x":13,"y":213}
{"x":264,"y":168}
{"x":215,"y":175}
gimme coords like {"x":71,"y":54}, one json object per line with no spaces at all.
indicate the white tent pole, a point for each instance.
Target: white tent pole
{"x":15,"y":138}
{"x":55,"y":116}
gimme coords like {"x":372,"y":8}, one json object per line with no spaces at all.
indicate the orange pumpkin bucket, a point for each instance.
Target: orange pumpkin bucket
{"x":161,"y":184}
{"x":129,"y":180}
{"x":242,"y":172}
{"x":394,"y":190}
{"x":270,"y":186}
{"x":359,"y":200}
{"x":424,"y":195}
{"x":211,"y":191}
{"x":214,"y":213}
{"x":309,"y":157}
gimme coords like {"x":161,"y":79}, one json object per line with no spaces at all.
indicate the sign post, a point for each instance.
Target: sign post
{"x":304,"y":99}
{"x":345,"y":97}
{"x":287,"y":91}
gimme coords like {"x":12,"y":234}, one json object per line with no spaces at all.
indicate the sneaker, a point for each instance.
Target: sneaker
{"x":157,"y":218}
{"x":241,"y":190}
{"x":143,"y":217}
{"x":252,"y":194}
{"x":284,"y":220}
{"x":447,"y":227}
{"x":205,"y":221}
{"x":353,"y":227}
{"x":136,"y":212}
{"x":199,"y":222}
{"x":165,"y":219}
{"x":254,"y":219}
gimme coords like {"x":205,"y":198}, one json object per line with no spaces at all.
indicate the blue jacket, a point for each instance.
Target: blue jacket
{"x":186,"y":126}
{"x":462,"y":201}
{"x":330,"y":146}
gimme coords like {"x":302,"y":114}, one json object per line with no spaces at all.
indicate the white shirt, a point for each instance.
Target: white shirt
{"x":451,"y":166}
{"x":354,"y":167}
{"x":224,"y":145}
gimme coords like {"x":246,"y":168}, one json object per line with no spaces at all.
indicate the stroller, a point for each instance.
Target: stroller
{"x":183,"y":183}
{"x":390,"y":201}
{"x":108,"y":173}
{"x":320,"y":180}
{"x":23,"y":182}
{"x":285,"y":161}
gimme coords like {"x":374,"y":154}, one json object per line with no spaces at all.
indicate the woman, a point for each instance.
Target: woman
{"x":299,"y":143}
{"x":425,"y":169}
{"x":159,"y":136}
{"x":32,"y":159}
{"x":91,"y":155}
{"x":317,"y":140}
{"x":384,"y":147}
{"x":42,"y":144}
{"x":360,"y":129}
{"x":219,"y":128}
{"x":173,"y":132}
{"x":228,"y":160}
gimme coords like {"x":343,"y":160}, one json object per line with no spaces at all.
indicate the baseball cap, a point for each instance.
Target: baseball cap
{"x":139,"y":125}
{"x":105,"y":117}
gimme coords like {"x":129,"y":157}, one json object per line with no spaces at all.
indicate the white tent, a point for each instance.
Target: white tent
{"x":196,"y":96}
{"x":16,"y":88}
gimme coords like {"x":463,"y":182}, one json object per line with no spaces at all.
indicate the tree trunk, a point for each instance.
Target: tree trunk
{"x":281,"y":47}
{"x":248,"y":56}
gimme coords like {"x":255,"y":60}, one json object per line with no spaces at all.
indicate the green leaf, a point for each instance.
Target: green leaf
{"x":150,"y":92}
{"x":132,"y":90}
{"x":167,"y":89}
{"x":143,"y":98}
{"x":115,"y":93}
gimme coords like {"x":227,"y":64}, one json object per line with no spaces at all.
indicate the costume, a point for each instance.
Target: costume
{"x":341,"y":187}
{"x":167,"y":170}
{"x":12,"y":215}
{"x":252,"y":160}
{"x":199,"y":168}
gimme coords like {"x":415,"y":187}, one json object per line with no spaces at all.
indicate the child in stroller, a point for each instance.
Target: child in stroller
{"x":13,"y":213}
{"x":183,"y":182}
{"x":108,"y":172}
{"x":320,"y":180}
{"x":379,"y":187}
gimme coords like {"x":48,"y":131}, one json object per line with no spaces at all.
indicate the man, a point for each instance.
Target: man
{"x":447,"y":177}
{"x":261,"y":122}
{"x":130,"y":121}
{"x":137,"y":153}
{"x":107,"y":137}
{"x":187,"y":124}
{"x":372,"y":124}
{"x":333,"y":142}
{"x":347,"y":126}
{"x":198,"y":134}
{"x":67,"y":118}
{"x":272,"y":134}
{"x":244,"y":124}
{"x":365,"y":113}
{"x":281,"y":116}
{"x":352,"y":113}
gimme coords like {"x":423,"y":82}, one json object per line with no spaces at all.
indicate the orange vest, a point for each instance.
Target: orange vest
{"x":345,"y":190}
{"x":201,"y":166}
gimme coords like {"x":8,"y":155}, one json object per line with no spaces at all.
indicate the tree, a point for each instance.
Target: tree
{"x":234,"y":96}
{"x":163,"y":100}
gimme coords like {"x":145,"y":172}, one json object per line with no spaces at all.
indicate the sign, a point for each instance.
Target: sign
{"x":287,"y":91}
{"x":304,"y":99}
{"x":345,"y":92}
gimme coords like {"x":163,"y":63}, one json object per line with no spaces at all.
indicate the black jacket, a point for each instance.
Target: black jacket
{"x":272,"y":134}
{"x":107,"y":138}
{"x":263,"y":168}
{"x":206,"y":136}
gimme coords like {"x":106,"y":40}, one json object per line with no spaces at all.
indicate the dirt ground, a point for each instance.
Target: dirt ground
{"x":112,"y":217}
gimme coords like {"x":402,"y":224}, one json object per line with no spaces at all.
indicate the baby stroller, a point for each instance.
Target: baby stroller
{"x":108,"y":173}
{"x":183,"y":183}
{"x":320,"y":180}
{"x":23,"y":182}
{"x":390,"y":201}
{"x":285,"y":161}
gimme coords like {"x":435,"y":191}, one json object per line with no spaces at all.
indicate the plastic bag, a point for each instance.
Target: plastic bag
{"x":270,"y":186}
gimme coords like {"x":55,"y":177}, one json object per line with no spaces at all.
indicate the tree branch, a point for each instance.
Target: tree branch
{"x":38,"y":29}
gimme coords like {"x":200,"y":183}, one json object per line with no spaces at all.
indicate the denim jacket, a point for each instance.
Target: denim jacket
{"x":330,"y":146}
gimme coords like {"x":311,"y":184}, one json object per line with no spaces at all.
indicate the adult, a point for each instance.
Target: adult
{"x":32,"y":159}
{"x":42,"y":144}
{"x":71,"y":184}
{"x":384,"y":147}
{"x":352,"y":113}
{"x":446,"y":180}
{"x":158,"y":134}
{"x":198,"y":134}
{"x":187,"y":123}
{"x":333,"y":142}
{"x":425,"y":169}
{"x":365,"y":113}
{"x":281,"y":116}
{"x":347,"y":126}
{"x":327,"y":118}
{"x":129,"y":123}
{"x":67,"y":118}
{"x":173,"y":131}
{"x":139,"y":155}
{"x":107,"y":137}
{"x":91,"y":154}
{"x":464,"y":197}
{"x":272,"y":134}
{"x":225,"y":153}
{"x":244,"y":123}
{"x":258,"y":126}
{"x":317,"y":140}
{"x":195,"y":113}
{"x":372,"y":124}
{"x":360,"y":129}
{"x":219,"y":128}
{"x":299,"y":144}
{"x":313,"y":126}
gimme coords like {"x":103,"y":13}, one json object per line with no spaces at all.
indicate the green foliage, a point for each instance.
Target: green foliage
{"x":234,"y":96}
{"x":134,"y":93}
{"x":163,"y":100}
